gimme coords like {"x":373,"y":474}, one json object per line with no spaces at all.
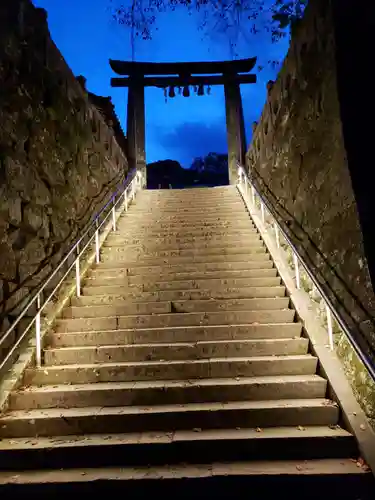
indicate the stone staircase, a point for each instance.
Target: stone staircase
{"x":183,"y":360}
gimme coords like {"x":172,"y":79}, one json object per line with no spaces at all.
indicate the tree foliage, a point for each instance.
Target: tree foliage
{"x":232,"y":17}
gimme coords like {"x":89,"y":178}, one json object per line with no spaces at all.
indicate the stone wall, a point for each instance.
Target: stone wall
{"x":59,"y":161}
{"x":298,"y":159}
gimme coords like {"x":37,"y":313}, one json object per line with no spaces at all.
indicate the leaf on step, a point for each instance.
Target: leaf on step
{"x":301,"y":428}
{"x":362,"y":427}
{"x":197,"y":429}
{"x":258,"y":429}
{"x":299,"y":467}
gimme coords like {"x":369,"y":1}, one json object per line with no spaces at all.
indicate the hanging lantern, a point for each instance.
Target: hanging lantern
{"x":179,"y":90}
{"x":208,"y":90}
{"x":186,"y":91}
{"x":172,"y":92}
{"x":195,"y":89}
{"x":201,"y":89}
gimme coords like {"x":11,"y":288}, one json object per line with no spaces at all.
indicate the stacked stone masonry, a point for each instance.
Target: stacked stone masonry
{"x":59,"y":160}
{"x":298,"y":160}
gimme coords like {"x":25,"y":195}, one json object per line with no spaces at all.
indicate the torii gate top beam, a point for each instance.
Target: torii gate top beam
{"x":132,"y":68}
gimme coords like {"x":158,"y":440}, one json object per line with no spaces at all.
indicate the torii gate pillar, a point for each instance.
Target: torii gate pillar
{"x":236,"y":136}
{"x":136,"y":127}
{"x":171,"y":75}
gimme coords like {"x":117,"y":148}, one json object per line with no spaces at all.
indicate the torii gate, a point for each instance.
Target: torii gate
{"x":163,"y":75}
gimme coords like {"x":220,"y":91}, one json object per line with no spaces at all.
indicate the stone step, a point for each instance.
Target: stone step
{"x":161,"y":245}
{"x":336,"y":477}
{"x":162,"y":448}
{"x":190,"y":199}
{"x":184,"y":241}
{"x":176,"y":295}
{"x":204,"y":258}
{"x":96,"y":287}
{"x":175,"y":319}
{"x":205,"y":416}
{"x":190,"y":334}
{"x":195,"y":216}
{"x":123,"y":252}
{"x":198,"y":270}
{"x":209,"y":210}
{"x":153,"y":232}
{"x":184,"y":227}
{"x":178,"y":306}
{"x":255,"y":366}
{"x":133,"y":287}
{"x":160,"y":392}
{"x":175,"y":351}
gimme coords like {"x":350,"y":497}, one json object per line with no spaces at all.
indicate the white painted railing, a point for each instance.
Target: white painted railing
{"x":119,"y":202}
{"x":250,"y":193}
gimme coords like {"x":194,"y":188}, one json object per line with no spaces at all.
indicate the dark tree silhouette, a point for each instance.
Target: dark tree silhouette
{"x":233,"y":17}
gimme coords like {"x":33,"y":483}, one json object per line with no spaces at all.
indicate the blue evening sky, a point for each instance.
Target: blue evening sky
{"x":182,"y":128}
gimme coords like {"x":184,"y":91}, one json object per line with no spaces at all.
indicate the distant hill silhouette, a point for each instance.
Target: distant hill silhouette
{"x":211,"y":170}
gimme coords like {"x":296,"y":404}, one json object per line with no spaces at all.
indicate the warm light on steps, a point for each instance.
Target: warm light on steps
{"x":183,"y":330}
{"x":218,"y":333}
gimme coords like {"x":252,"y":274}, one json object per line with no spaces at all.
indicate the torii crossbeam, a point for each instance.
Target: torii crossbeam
{"x":163,"y":75}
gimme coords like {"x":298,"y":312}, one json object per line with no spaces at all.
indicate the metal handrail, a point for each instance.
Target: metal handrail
{"x":330,"y":308}
{"x":133,"y":182}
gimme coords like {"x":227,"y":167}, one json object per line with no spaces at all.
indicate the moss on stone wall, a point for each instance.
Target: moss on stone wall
{"x":59,"y":161}
{"x":298,"y":161}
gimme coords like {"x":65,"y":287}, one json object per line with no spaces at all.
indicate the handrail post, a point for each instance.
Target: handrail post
{"x":78,"y":274}
{"x":329,"y":327}
{"x":38,"y":340}
{"x":114,"y":216}
{"x":262,"y":210}
{"x":133,"y":190}
{"x":253,"y":195}
{"x":97,"y":249}
{"x":126,"y":199}
{"x":296,"y":268}
{"x":277,"y":236}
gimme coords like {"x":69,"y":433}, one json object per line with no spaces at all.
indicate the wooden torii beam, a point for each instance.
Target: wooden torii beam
{"x":147,"y":74}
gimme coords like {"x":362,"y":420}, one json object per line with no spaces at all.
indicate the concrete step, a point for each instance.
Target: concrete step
{"x":122,"y":286}
{"x":184,"y":227}
{"x":162,"y":392}
{"x":184,"y":241}
{"x":209,"y":210}
{"x":255,"y":366}
{"x":214,"y":270}
{"x":188,"y":267}
{"x":336,"y":477}
{"x":153,"y":232}
{"x":175,"y":319}
{"x":236,"y":414}
{"x":204,"y":258}
{"x":204,"y":245}
{"x":207,"y":446}
{"x":191,"y":273}
{"x":176,"y":295}
{"x":122,"y":252}
{"x":175,"y":351}
{"x":177,"y":334}
{"x":179,"y":306}
{"x":195,"y":216}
